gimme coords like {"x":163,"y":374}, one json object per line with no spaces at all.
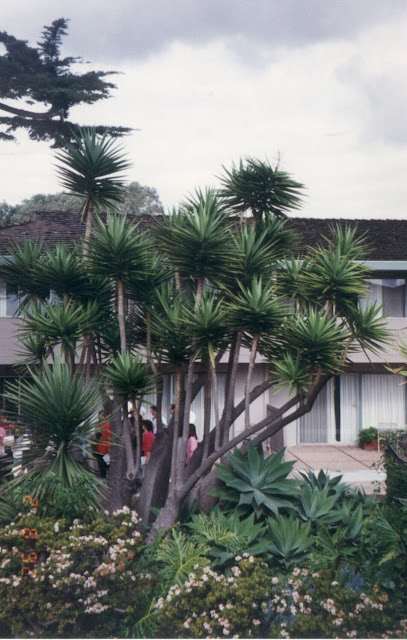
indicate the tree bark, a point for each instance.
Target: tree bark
{"x":117,"y":470}
{"x":154,"y":490}
{"x":167,"y":517}
{"x":24,"y":113}
{"x":121,"y":316}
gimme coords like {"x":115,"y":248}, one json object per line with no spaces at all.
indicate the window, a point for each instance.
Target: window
{"x":390,"y":293}
{"x":9,"y":302}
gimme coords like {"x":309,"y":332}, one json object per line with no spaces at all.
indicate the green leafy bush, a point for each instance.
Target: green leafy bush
{"x":366,"y":436}
{"x":176,"y":557}
{"x":395,"y":464}
{"x":227,"y":536}
{"x":254,"y":603}
{"x":58,"y":500}
{"x":383,"y":549}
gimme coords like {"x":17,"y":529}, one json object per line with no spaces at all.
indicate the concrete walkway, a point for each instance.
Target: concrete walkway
{"x":358,"y":467}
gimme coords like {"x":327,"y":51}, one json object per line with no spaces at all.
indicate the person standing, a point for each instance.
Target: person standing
{"x":3,"y":434}
{"x":154,"y":416}
{"x":148,"y":439}
{"x":192,"y":443}
{"x":102,"y":447}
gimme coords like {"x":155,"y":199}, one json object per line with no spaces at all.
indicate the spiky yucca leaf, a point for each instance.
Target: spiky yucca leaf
{"x":255,"y":186}
{"x":256,"y":308}
{"x":197,"y":241}
{"x":92,"y":168}
{"x":21,"y":270}
{"x":206,"y":323}
{"x":318,"y":340}
{"x":59,"y":412}
{"x":129,"y":375}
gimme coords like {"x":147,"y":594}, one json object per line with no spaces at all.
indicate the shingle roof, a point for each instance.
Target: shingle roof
{"x":387,"y":238}
{"x":52,"y":227}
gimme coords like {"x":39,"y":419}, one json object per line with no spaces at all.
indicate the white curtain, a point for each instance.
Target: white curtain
{"x":9,"y":302}
{"x":350,"y":407}
{"x":319,"y":424}
{"x":197,"y":407}
{"x":389,"y":293}
{"x":3,"y":299}
{"x":383,"y":401}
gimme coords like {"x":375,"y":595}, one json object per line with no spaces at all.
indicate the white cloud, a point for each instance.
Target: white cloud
{"x":333,"y":108}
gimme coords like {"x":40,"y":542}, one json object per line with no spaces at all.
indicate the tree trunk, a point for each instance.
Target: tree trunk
{"x":154,"y":490}
{"x":167,"y":517}
{"x":89,"y":224}
{"x":226,"y":419}
{"x":249,"y":381}
{"x":121,"y":316}
{"x":207,"y":411}
{"x":117,"y":470}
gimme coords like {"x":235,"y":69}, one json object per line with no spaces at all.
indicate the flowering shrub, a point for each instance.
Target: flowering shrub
{"x":254,"y":604}
{"x":83,"y":574}
{"x":211,"y":605}
{"x":308,"y":605}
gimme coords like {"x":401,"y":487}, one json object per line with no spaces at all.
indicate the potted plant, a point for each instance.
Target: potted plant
{"x":368,"y":438}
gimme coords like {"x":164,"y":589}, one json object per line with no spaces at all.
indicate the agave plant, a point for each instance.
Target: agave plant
{"x":323,"y":480}
{"x":254,"y":484}
{"x":290,"y":540}
{"x":318,"y":505}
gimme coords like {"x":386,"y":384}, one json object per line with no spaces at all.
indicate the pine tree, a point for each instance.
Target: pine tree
{"x":40,"y":77}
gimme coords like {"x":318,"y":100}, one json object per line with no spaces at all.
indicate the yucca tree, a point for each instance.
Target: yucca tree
{"x":92,"y":169}
{"x":255,"y":310}
{"x":196,"y":240}
{"x":62,"y":270}
{"x":59,"y":413}
{"x":200,"y":287}
{"x":60,"y":325}
{"x":130,"y":378}
{"x":118,"y":252}
{"x":21,"y":269}
{"x":207,"y":324}
{"x":253,"y":186}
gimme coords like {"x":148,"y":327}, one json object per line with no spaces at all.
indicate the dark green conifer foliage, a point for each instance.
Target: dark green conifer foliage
{"x":47,"y":88}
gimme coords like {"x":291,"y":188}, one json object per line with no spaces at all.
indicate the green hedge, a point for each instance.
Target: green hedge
{"x":395,"y":462}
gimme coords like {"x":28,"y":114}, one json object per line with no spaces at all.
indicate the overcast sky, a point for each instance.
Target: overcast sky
{"x":319,"y":84}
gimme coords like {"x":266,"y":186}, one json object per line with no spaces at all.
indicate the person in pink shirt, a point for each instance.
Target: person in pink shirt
{"x":192,"y":442}
{"x":3,"y":434}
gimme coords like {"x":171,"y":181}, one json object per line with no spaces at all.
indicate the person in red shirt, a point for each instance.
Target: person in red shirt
{"x":148,"y":439}
{"x":102,"y":447}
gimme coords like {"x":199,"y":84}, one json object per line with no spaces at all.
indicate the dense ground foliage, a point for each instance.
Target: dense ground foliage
{"x":303,"y":558}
